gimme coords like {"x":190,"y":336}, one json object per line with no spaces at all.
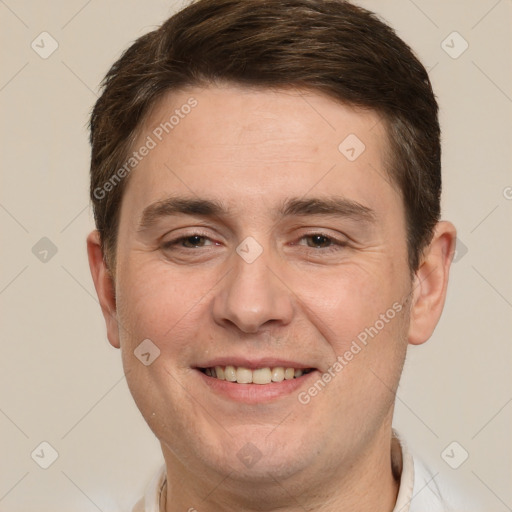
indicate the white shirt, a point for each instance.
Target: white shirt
{"x":420,"y":490}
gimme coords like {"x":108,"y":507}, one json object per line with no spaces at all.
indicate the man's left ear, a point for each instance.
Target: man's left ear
{"x":430,"y":283}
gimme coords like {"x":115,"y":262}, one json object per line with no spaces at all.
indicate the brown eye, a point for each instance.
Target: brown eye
{"x":319,"y":241}
{"x":193,"y":241}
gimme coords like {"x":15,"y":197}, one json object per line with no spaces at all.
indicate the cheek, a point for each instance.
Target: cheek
{"x":343,"y":304}
{"x":364,"y":319}
{"x":153,"y":304}
{"x":161,"y":305}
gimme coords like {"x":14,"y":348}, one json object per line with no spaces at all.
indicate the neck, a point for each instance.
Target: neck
{"x":366,"y":484}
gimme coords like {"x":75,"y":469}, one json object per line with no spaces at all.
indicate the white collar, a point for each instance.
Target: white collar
{"x":403,"y":465}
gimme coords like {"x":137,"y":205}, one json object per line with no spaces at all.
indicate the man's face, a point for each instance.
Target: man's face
{"x":271,"y":280}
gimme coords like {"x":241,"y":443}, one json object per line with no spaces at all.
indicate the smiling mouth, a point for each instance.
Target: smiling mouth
{"x":242,"y":375}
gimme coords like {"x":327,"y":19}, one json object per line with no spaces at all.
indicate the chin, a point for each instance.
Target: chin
{"x":265,"y":470}
{"x":265,"y":454}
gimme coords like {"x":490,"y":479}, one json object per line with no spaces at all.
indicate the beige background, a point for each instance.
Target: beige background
{"x":62,"y":383}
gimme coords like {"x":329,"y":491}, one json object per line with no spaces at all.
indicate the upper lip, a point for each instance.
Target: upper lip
{"x":253,"y":363}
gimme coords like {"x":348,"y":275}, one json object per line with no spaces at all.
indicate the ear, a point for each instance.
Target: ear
{"x":105,"y":288}
{"x":430,"y":283}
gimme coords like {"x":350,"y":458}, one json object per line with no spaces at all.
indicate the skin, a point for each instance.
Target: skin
{"x":304,"y":299}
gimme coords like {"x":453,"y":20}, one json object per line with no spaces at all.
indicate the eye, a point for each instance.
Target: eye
{"x":322,"y":242}
{"x":192,"y":241}
{"x":319,"y":240}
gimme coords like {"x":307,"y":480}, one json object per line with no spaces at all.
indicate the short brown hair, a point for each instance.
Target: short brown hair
{"x":329,"y":46}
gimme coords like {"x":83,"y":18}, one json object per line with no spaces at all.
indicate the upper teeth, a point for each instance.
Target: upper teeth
{"x":243,"y":375}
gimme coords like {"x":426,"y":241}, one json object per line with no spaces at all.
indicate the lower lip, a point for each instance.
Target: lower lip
{"x":255,"y":393}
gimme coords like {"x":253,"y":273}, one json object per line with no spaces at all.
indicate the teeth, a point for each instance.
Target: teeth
{"x":243,"y":375}
{"x":230,"y":373}
{"x":262,"y":376}
{"x":278,"y":374}
{"x":289,"y":373}
{"x":219,"y":373}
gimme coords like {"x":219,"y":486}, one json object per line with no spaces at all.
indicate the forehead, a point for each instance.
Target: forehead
{"x":246,"y":143}
{"x":256,"y":115}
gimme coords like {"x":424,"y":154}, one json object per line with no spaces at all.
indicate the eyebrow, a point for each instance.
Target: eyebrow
{"x":324,"y":206}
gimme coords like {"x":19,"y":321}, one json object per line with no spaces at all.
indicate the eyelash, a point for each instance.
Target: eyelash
{"x":336,"y":244}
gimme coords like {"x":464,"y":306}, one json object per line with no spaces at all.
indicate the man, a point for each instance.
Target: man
{"x":266,"y":183}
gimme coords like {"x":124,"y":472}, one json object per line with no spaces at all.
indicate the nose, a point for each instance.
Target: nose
{"x":253,"y":295}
